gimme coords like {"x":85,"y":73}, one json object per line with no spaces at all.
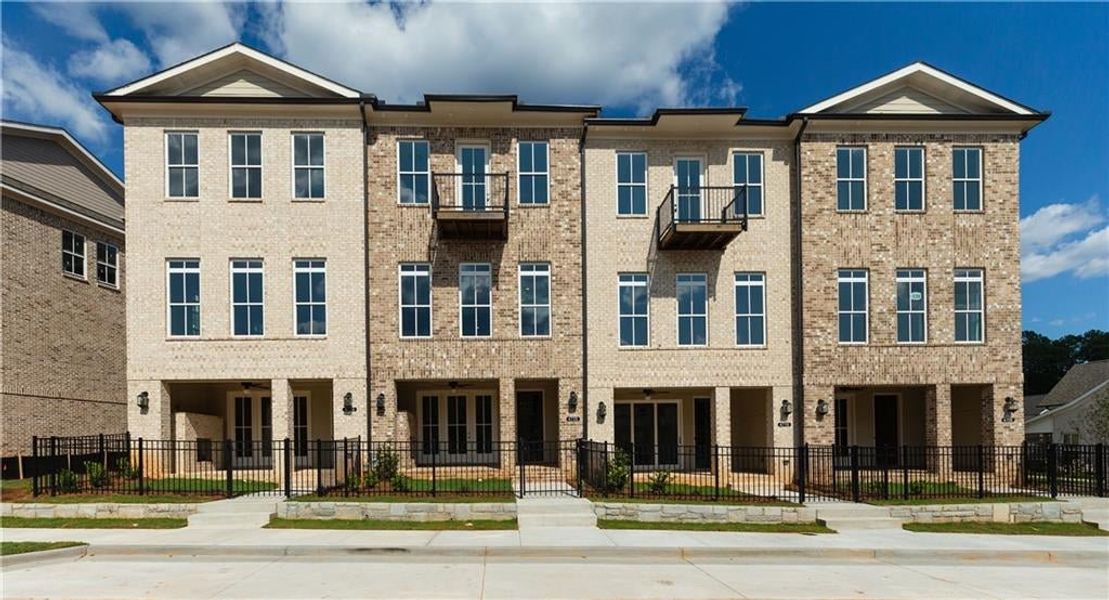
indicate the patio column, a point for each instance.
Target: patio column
{"x":506,"y":392}
{"x":153,"y":423}
{"x":569,"y":429}
{"x":381,"y":426}
{"x":782,"y":432}
{"x":817,"y":430}
{"x":600,"y":430}
{"x":354,"y":424}
{"x":722,"y":426}
{"x":937,"y":428}
{"x":281,"y":416}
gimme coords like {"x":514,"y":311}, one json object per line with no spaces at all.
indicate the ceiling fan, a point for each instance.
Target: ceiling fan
{"x":250,"y":385}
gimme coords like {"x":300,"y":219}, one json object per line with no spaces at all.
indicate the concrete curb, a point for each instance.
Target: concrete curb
{"x":637,"y":554}
{"x":44,"y":556}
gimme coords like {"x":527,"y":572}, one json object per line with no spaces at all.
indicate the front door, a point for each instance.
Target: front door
{"x":300,"y":430}
{"x":457,"y":428}
{"x":687,"y":172}
{"x":652,"y":428}
{"x":702,"y":432}
{"x":885,"y":430}
{"x":473,"y":162}
{"x":529,"y":425}
{"x":252,"y":431}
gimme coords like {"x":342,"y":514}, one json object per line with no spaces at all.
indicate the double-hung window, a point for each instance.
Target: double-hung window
{"x":247,"y":307}
{"x":969,"y":285}
{"x":246,"y":165}
{"x":310,"y":296}
{"x":535,"y":299}
{"x":631,"y":183}
{"x":534,"y":172}
{"x":308,"y":166}
{"x":853,"y":304}
{"x":183,"y":289}
{"x":415,"y":300}
{"x":73,"y":254}
{"x":692,"y":309}
{"x":748,"y":180}
{"x":413,"y":171}
{"x":475,"y":283}
{"x":634,"y":306}
{"x":908,"y":178}
{"x":182,"y":164}
{"x":850,"y":178}
{"x":750,"y":309}
{"x":912,"y":306}
{"x":967,"y":178}
{"x":107,"y":264}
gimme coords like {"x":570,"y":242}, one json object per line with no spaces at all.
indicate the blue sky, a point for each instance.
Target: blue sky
{"x":772,"y":58}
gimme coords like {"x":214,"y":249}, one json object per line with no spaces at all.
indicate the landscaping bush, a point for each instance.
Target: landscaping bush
{"x":401,"y":484}
{"x":916,"y":488}
{"x":98,"y":476}
{"x":369,"y":480}
{"x":124,"y":468}
{"x":616,"y":477}
{"x":67,"y":481}
{"x":658,"y":482}
{"x":386,"y":465}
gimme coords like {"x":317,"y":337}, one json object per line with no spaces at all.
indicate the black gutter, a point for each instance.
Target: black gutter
{"x":517,"y":106}
{"x":739,"y":111}
{"x":366,"y":262}
{"x":797,"y":298}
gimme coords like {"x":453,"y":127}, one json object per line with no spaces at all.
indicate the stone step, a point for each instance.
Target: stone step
{"x":253,"y":520}
{"x":857,"y":523}
{"x":237,"y":507}
{"x":533,"y":521}
{"x":1097,"y":516}
{"x":546,"y":506}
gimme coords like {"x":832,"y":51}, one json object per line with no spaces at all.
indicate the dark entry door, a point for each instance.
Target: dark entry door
{"x":702,"y":424}
{"x":529,"y":426}
{"x":885,"y":430}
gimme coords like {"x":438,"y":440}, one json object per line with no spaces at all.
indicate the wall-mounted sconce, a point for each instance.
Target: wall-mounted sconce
{"x":1010,"y":408}
{"x":380,"y":404}
{"x":602,"y":410}
{"x":143,"y":400}
{"x":348,"y":403}
{"x":786,"y":410}
{"x":821,"y":408}
{"x":573,"y":403}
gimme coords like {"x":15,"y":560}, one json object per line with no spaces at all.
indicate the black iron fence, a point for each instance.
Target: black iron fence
{"x":469,"y":192}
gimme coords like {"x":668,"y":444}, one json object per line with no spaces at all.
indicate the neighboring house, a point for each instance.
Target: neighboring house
{"x":62,"y":329}
{"x":1075,"y":410}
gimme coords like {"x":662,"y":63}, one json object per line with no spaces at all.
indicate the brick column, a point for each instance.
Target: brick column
{"x":601,"y":431}
{"x":506,"y":399}
{"x":783,"y":439}
{"x":570,"y":430}
{"x":155,"y":423}
{"x":281,"y":415}
{"x":722,"y":427}
{"x":381,"y":426}
{"x":818,"y":431}
{"x":354,"y":424}
{"x":937,"y":410}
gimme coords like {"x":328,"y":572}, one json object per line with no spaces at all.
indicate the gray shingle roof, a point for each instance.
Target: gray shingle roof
{"x":1078,"y":380}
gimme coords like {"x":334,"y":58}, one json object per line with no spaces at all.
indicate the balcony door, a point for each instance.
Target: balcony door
{"x":687,"y":182}
{"x":473,"y":164}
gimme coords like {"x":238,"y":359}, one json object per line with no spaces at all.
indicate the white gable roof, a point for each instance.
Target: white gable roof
{"x":918,"y":88}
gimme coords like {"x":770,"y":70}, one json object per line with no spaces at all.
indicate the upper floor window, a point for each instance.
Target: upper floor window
{"x":415,"y":300}
{"x":692,"y":309}
{"x":634,"y":309}
{"x":73,"y":254}
{"x":750,"y":309}
{"x":310,"y":296}
{"x":246,"y":165}
{"x":748,"y":173}
{"x":850,"y":178}
{"x":308,"y":166}
{"x":853,"y":303}
{"x":475,"y":284}
{"x":183,"y":289}
{"x":908,"y":178}
{"x":182,"y":165}
{"x":912,"y":306}
{"x":413,"y":171}
{"x":107,"y":264}
{"x":535,"y":299}
{"x":534,"y":172}
{"x":631,"y":183}
{"x":967,"y":178}
{"x":247,"y":309}
{"x":969,"y":284}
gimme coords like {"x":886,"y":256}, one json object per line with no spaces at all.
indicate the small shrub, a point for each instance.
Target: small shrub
{"x":874,"y":487}
{"x":124,"y":468}
{"x":916,"y":488}
{"x":616,"y":477}
{"x":66,"y":481}
{"x":98,"y":476}
{"x":658,"y":482}
{"x":400,"y":484}
{"x":387,"y":465}
{"x":369,"y":480}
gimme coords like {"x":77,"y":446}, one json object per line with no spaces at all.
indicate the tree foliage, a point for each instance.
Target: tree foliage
{"x":1047,"y":360}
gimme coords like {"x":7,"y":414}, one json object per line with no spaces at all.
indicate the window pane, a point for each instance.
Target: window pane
{"x":174,"y":149}
{"x":319,"y":319}
{"x":624,"y":200}
{"x":241,"y":325}
{"x":238,"y":150}
{"x":315,"y":150}
{"x":974,"y":327}
{"x":974,"y":158}
{"x":540,"y":194}
{"x":192,"y":287}
{"x":254,"y":183}
{"x":406,"y":156}
{"x":754,"y":200}
{"x":859,"y":328}
{"x":420,"y":156}
{"x":543,"y":321}
{"x":192,"y":317}
{"x":300,"y":183}
{"x":300,"y":149}
{"x":238,"y":183}
{"x":626,"y":331}
{"x":757,"y":336}
{"x":303,"y":289}
{"x":304,"y":317}
{"x":238,"y":287}
{"x":191,"y":186}
{"x":857,"y":196}
{"x":190,"y":150}
{"x":843,"y":195}
{"x":973,"y":202}
{"x":959,"y":163}
{"x":255,"y":287}
{"x":526,"y":157}
{"x":843,"y":164}
{"x":177,"y":320}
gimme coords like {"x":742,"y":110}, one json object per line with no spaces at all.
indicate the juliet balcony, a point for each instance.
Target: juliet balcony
{"x":701,"y":218}
{"x":470,"y":205}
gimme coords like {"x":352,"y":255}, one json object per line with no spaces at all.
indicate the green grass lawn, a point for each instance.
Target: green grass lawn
{"x":213,"y":487}
{"x":1033,"y":528}
{"x":690,"y":495}
{"x":737,"y":527}
{"x":446,"y":498}
{"x":971,"y":500}
{"x":84,"y":523}
{"x":119,"y":499}
{"x":9,"y":548}
{"x":476,"y":525}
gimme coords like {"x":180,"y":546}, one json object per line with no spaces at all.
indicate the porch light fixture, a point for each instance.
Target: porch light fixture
{"x":786,"y":410}
{"x":381,"y":403}
{"x":1010,"y":408}
{"x":348,"y":403}
{"x":573,"y":404}
{"x":144,"y":401}
{"x":821,"y":408}
{"x":602,"y":410}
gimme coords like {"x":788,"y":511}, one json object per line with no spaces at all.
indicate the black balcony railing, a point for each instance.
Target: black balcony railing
{"x":706,"y":217}
{"x":468,"y":205}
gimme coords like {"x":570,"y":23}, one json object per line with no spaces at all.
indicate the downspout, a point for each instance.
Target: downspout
{"x":584,"y":295}
{"x":797,"y":295}
{"x":366,"y":261}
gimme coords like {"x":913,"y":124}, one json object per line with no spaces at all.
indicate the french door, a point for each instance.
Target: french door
{"x":473,"y":162}
{"x":687,"y":176}
{"x":652,"y":427}
{"x":300,"y":430}
{"x":252,"y":431}
{"x":467,"y":428}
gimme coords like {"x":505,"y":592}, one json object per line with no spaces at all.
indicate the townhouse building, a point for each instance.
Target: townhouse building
{"x":62,"y":274}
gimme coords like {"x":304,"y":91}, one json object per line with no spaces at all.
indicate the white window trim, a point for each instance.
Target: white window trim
{"x":865,"y":312}
{"x":401,"y":274}
{"x":645,"y":184}
{"x":84,"y":260}
{"x":231,"y":166}
{"x":981,"y":279}
{"x":401,"y":172}
{"x":762,"y":177}
{"x":115,"y":285}
{"x":923,"y":179}
{"x":979,"y":180}
{"x":898,"y":279}
{"x":865,"y":179}
{"x":166,"y":165}
{"x":679,"y":315}
{"x":646,"y":284}
{"x":231,"y":270}
{"x":309,"y":270}
{"x":520,"y":300}
{"x":520,"y":173}
{"x":292,"y":161}
{"x":169,"y":304}
{"x":461,"y":334}
{"x":762,"y":288}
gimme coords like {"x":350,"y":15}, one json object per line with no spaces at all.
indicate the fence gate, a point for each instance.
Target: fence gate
{"x":547,"y":469}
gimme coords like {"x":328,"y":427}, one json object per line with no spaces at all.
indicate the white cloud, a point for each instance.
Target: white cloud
{"x":1061,"y":238}
{"x":37,"y":92}
{"x":179,"y":31}
{"x":79,"y":20}
{"x":642,"y":55}
{"x":112,"y":62}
